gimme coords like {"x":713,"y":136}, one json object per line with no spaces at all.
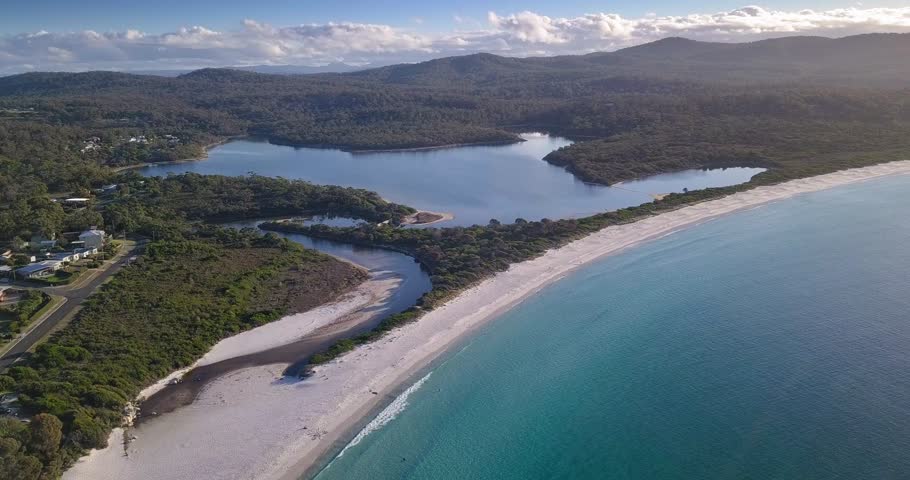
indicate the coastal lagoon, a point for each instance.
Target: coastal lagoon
{"x":766,"y":344}
{"x":414,"y":280}
{"x":474,"y":183}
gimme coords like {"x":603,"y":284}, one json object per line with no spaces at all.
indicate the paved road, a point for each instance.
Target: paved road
{"x":74,"y":297}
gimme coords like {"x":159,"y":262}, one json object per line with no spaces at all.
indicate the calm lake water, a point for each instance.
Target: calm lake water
{"x":771,"y":344}
{"x":473,"y":183}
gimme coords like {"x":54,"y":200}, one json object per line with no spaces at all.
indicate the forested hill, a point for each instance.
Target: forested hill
{"x":881,"y":59}
{"x":798,"y":105}
{"x":860,"y":60}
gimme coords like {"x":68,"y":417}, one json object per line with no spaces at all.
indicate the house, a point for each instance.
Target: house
{"x":5,"y":271}
{"x":92,"y":238}
{"x":107,"y":189}
{"x":85,"y":252}
{"x":6,"y":256}
{"x":40,"y":242}
{"x":40,"y":269}
{"x":76,"y":201}
{"x":63,"y":257}
{"x":3,"y":292}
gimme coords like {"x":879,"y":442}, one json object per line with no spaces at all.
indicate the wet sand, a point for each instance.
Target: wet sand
{"x":375,"y":294}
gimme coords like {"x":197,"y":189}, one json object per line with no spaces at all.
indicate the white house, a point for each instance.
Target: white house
{"x":93,"y":238}
{"x":85,"y":252}
{"x":63,"y":257}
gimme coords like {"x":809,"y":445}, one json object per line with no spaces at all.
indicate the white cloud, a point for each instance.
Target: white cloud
{"x":529,"y":27}
{"x":522,"y":33}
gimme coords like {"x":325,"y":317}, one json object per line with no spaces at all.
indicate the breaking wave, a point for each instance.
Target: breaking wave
{"x":386,"y":415}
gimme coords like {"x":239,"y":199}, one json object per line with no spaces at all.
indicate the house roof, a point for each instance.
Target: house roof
{"x":92,"y":233}
{"x":37,"y":267}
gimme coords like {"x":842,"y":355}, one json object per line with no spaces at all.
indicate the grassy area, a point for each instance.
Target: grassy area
{"x":61,"y":277}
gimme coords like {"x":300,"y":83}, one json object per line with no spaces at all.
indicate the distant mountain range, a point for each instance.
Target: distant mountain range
{"x":272,"y":69}
{"x":863,"y":60}
{"x":870,"y":60}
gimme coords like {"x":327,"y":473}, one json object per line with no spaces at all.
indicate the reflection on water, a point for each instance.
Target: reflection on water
{"x":473,"y":183}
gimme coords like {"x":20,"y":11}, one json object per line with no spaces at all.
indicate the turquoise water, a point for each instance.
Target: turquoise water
{"x":771,"y":344}
{"x":473,"y":183}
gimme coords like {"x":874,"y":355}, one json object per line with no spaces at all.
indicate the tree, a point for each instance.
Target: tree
{"x":45,"y":434}
{"x":14,"y":463}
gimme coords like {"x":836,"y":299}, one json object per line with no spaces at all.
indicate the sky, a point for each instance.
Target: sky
{"x":170,"y":34}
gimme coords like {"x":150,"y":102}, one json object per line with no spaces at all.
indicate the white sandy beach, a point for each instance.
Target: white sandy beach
{"x":252,"y":424}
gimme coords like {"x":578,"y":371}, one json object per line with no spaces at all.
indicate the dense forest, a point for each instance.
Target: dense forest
{"x":790,"y":104}
{"x":167,"y":207}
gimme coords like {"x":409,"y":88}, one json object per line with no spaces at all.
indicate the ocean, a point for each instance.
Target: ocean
{"x":769,"y":344}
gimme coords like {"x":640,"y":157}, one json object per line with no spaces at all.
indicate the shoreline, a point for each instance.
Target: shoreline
{"x":205,"y":155}
{"x":314,"y":458}
{"x":219,"y":143}
{"x":412,"y":220}
{"x":286,"y":341}
{"x":276,"y":343}
{"x":252,"y":425}
{"x":491,"y":143}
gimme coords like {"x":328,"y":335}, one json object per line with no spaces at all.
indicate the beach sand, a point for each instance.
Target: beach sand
{"x":426,"y":217}
{"x":254,"y":424}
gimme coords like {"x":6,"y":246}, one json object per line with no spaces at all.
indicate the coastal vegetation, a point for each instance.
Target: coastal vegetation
{"x":214,"y":198}
{"x":158,"y":315}
{"x":460,"y":257}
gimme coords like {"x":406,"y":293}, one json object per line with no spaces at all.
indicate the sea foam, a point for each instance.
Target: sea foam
{"x":388,"y":414}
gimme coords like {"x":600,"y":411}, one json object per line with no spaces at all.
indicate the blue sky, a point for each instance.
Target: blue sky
{"x":160,"y":16}
{"x":76,"y":35}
